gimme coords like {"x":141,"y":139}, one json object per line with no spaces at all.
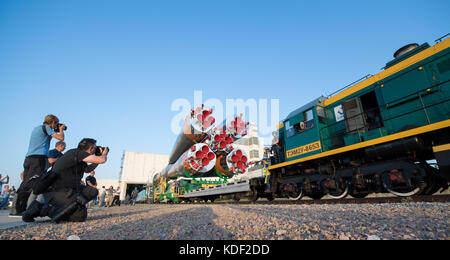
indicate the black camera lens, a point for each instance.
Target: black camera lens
{"x":57,"y":128}
{"x":99,"y":149}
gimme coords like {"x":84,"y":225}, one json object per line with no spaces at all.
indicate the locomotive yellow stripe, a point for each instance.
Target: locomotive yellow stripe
{"x":441,"y":148}
{"x":390,"y":71}
{"x":384,"y":139}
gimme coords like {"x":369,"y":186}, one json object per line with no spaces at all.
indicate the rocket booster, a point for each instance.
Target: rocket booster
{"x":195,"y":130}
{"x":200,"y":148}
{"x":195,"y":161}
{"x":232,"y":163}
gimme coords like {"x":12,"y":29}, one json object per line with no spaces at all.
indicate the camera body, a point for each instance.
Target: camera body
{"x":99,"y":150}
{"x":57,"y":128}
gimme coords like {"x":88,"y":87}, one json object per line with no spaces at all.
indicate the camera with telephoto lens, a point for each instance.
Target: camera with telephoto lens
{"x":99,"y":150}
{"x":57,"y":128}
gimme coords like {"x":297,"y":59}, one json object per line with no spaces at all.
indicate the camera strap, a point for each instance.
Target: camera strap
{"x":78,"y":170}
{"x":45,"y":130}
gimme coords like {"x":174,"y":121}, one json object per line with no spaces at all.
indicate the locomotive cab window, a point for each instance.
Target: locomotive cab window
{"x":308,"y":119}
{"x":371,"y":111}
{"x":307,"y":123}
{"x":290,"y":131}
{"x":363,"y":113}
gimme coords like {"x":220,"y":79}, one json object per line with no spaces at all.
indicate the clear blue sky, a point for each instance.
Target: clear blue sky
{"x":111,"y":69}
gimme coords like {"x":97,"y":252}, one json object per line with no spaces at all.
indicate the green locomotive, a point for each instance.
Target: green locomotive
{"x":388,"y":132}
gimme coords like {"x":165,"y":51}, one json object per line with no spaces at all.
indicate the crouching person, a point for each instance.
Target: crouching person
{"x":65,"y":196}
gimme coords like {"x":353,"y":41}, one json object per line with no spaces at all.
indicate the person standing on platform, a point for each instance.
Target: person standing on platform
{"x":36,"y":159}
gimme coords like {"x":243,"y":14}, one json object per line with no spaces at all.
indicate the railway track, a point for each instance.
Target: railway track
{"x":373,"y":200}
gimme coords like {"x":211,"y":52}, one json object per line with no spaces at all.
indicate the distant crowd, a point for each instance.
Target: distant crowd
{"x":108,"y":197}
{"x":5,"y":192}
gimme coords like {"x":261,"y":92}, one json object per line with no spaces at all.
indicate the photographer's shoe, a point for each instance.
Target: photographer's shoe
{"x":32,"y":211}
{"x":27,"y":218}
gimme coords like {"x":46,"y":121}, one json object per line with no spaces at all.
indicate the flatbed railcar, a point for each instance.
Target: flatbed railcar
{"x":248,"y":186}
{"x":388,"y":132}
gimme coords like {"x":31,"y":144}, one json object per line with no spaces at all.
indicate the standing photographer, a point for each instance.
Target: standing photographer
{"x":2,"y":181}
{"x":53,"y":156}
{"x":36,"y":159}
{"x":64,"y":195}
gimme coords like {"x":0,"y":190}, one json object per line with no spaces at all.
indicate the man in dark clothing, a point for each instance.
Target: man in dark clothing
{"x":36,"y":159}
{"x":91,"y":180}
{"x":134,"y":195}
{"x":55,"y":154}
{"x":66,"y":198}
{"x":276,"y":148}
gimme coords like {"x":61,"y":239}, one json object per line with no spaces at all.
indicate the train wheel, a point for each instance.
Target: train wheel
{"x":402,"y":193}
{"x":337,"y":195}
{"x":297,"y":194}
{"x":434,"y":181}
{"x":253,"y":195}
{"x":339,"y":188}
{"x":396,"y":184}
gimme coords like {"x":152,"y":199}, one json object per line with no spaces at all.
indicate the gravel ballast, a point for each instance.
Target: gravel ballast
{"x":249,"y":222}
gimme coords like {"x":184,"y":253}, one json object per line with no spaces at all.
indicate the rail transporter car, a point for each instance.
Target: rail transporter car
{"x":388,"y":132}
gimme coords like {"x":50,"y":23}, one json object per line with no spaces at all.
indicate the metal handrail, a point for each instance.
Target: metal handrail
{"x":351,"y":84}
{"x":440,"y":39}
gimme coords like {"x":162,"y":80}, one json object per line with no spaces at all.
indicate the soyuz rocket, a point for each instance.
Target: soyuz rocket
{"x":206,"y":149}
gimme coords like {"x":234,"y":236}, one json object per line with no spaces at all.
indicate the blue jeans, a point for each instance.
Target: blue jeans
{"x":4,"y":201}
{"x":268,"y":183}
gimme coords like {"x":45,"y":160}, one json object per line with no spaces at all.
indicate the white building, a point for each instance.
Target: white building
{"x":252,"y":144}
{"x":139,"y":168}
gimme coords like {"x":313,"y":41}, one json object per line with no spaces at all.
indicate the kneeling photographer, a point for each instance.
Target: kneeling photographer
{"x":65,"y":196}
